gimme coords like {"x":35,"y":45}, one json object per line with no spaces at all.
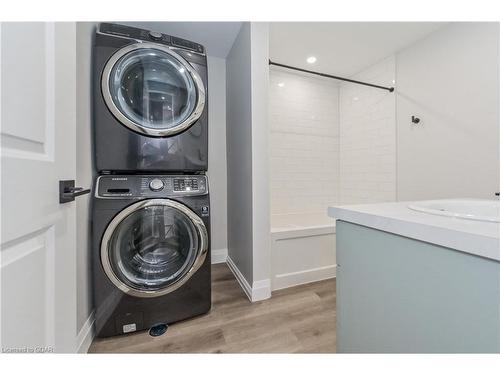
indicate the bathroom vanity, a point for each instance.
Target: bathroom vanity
{"x":418,"y":277}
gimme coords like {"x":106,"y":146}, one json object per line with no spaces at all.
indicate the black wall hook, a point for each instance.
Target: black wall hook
{"x":415,"y":119}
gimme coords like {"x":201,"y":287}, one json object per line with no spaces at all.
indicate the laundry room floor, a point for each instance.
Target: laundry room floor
{"x":295,"y":320}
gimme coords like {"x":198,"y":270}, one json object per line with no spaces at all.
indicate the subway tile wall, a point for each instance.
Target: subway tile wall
{"x":304,"y":143}
{"x":368,"y":137}
{"x":331,"y":144}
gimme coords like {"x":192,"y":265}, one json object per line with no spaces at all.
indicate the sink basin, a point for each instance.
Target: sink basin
{"x":470,"y":209}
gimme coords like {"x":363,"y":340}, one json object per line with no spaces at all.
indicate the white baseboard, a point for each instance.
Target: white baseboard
{"x":260,"y":290}
{"x":287,"y":280}
{"x":86,"y":335}
{"x":239,"y":277}
{"x":218,"y":256}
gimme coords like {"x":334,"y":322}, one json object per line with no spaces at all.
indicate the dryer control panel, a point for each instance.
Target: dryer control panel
{"x":151,"y":36}
{"x":150,"y":186}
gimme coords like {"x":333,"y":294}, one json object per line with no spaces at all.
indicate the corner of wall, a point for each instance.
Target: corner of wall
{"x":249,"y":238}
{"x":219,"y":256}
{"x":238,"y":148}
{"x":257,"y":291}
{"x":261,"y":290}
{"x":261,"y":286}
{"x":245,"y":285}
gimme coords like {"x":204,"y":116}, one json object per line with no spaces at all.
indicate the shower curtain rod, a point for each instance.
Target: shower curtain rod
{"x":390,"y":89}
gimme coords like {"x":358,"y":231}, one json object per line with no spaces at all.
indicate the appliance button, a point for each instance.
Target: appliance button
{"x":155,"y":35}
{"x":156,"y":184}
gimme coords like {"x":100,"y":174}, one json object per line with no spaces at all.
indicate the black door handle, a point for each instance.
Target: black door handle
{"x":68,"y":191}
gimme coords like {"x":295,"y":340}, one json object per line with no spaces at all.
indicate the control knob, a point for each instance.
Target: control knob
{"x":156,"y":184}
{"x":155,"y":35}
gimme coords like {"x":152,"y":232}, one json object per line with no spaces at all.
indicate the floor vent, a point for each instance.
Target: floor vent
{"x":158,"y":330}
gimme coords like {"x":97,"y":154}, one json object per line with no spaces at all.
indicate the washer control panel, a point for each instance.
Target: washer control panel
{"x":186,"y":184}
{"x":150,"y":186}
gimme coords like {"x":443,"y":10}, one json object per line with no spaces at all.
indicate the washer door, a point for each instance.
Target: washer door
{"x":153,"y":247}
{"x":152,"y":90}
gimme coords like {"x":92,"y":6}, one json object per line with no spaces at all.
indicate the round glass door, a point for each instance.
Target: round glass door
{"x":153,"y":90}
{"x":151,"y":247}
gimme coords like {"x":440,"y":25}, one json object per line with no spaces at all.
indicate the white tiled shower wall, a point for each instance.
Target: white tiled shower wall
{"x":368,"y":137}
{"x":304,"y":144}
{"x":448,"y":79}
{"x":330,"y":145}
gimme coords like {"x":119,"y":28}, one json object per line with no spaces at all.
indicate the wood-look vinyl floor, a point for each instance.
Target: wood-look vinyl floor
{"x":295,"y":320}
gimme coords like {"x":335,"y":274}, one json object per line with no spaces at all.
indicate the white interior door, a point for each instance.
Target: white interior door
{"x":38,"y":281}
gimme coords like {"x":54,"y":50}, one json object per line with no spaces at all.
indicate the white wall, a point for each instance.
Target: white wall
{"x":450,"y":80}
{"x":368,"y":137}
{"x":217,"y":156}
{"x":261,"y":288}
{"x":304,"y":146}
{"x":239,"y":154}
{"x":84,"y":172}
{"x":247,"y":160}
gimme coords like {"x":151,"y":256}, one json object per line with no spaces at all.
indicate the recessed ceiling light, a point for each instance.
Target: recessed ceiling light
{"x":311,"y":59}
{"x":281,"y":84}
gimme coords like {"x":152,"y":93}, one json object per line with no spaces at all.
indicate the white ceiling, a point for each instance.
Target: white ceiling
{"x":342,"y":48}
{"x":217,"y":37}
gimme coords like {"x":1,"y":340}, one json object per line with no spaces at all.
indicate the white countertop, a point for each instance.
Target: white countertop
{"x":470,"y":236}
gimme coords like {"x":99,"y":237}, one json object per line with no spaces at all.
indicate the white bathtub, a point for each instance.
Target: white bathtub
{"x":302,"y":249}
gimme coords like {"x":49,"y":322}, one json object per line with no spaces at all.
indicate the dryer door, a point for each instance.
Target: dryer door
{"x":153,"y":247}
{"x":152,"y":90}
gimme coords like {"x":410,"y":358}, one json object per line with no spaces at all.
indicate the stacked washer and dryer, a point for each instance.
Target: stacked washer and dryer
{"x":151,"y":209}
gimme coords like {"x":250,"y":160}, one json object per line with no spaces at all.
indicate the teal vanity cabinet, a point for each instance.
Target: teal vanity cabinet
{"x":400,"y":295}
